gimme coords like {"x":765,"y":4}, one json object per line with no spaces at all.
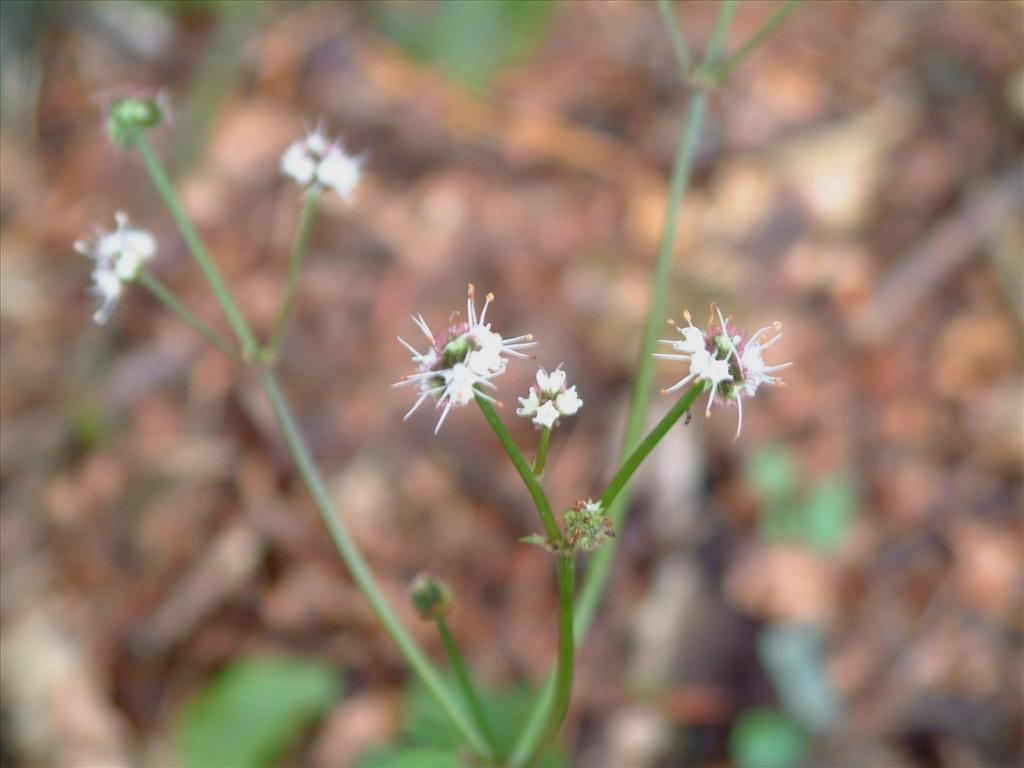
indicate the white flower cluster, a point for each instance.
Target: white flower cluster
{"x":716,"y":357}
{"x":550,"y":399}
{"x":315,"y":162}
{"x":119,"y":255}
{"x":461,"y":360}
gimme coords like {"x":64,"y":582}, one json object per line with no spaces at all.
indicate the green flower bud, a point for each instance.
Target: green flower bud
{"x":127,"y":113}
{"x":430,"y":596}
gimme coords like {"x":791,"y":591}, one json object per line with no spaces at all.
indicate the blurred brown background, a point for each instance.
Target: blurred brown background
{"x":842,"y":586}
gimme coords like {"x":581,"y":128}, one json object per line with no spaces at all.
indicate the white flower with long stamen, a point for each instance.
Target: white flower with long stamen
{"x":729,"y":367}
{"x":460,"y":362}
{"x":317,"y":163}
{"x":550,"y":399}
{"x":119,"y":255}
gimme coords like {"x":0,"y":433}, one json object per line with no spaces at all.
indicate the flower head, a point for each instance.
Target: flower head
{"x":315,"y":162}
{"x":128,"y":113}
{"x":587,"y":526}
{"x":550,"y":399}
{"x":119,"y":255}
{"x":431,"y":597}
{"x":462,"y":360}
{"x":729,"y":366}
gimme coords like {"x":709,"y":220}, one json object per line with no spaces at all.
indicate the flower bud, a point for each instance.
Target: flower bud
{"x":430,"y":596}
{"x":127,"y":113}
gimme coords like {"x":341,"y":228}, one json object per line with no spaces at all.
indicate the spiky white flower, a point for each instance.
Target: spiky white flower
{"x":315,"y":162}
{"x":119,"y":255}
{"x":550,"y":400}
{"x":715,"y":358}
{"x":461,"y":361}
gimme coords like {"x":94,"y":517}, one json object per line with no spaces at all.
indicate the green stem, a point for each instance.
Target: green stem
{"x":562,"y":691}
{"x":540,"y":499}
{"x":468,"y":690}
{"x":636,"y":458}
{"x":164,"y":294}
{"x":542,"y":452}
{"x":195,"y":245}
{"x":361,"y":573}
{"x":600,"y":564}
{"x":720,"y":72}
{"x":675,"y":34}
{"x":299,"y":247}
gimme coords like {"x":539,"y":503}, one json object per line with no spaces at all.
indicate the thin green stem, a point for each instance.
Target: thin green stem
{"x":675,"y":34}
{"x":562,"y":692}
{"x":636,"y":458}
{"x":600,"y":564}
{"x":542,"y":452}
{"x":468,"y":690}
{"x":540,"y":499}
{"x":299,"y":247}
{"x":361,"y":573}
{"x":164,"y":294}
{"x":195,"y":245}
{"x":720,"y":72}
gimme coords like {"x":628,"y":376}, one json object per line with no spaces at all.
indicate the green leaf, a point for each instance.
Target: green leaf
{"x":794,"y":657}
{"x":773,"y":474}
{"x":252,"y":711}
{"x":398,"y":757}
{"x":766,"y":738}
{"x":506,"y":709}
{"x":470,"y":40}
{"x":536,"y":539}
{"x":827,"y":513}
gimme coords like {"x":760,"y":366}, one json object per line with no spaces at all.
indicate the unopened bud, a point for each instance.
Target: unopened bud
{"x":128,"y":113}
{"x":430,"y":596}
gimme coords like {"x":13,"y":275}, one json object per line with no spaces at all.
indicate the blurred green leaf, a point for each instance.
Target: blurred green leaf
{"x":428,"y":731}
{"x":766,"y":738}
{"x":252,"y":711}
{"x":773,"y":474}
{"x":470,"y":40}
{"x":828,"y":512}
{"x":794,"y":657}
{"x":397,"y":757}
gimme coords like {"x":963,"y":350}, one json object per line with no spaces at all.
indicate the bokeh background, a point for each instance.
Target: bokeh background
{"x":841,"y":587}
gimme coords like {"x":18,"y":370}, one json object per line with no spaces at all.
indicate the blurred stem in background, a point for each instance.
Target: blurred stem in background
{"x":361,"y":573}
{"x":195,"y":245}
{"x":466,"y":683}
{"x":299,"y":247}
{"x":164,"y":294}
{"x":597,"y":574}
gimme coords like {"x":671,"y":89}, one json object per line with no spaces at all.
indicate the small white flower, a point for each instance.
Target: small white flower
{"x":568,"y":402}
{"x":551,"y":384}
{"x":547,"y":415}
{"x":119,"y":255}
{"x":488,"y":346}
{"x":315,"y":162}
{"x":714,"y":358}
{"x":107,"y":286}
{"x":340,"y":172}
{"x":755,"y":370}
{"x":460,"y":361}
{"x":529,"y":404}
{"x":550,"y":399}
